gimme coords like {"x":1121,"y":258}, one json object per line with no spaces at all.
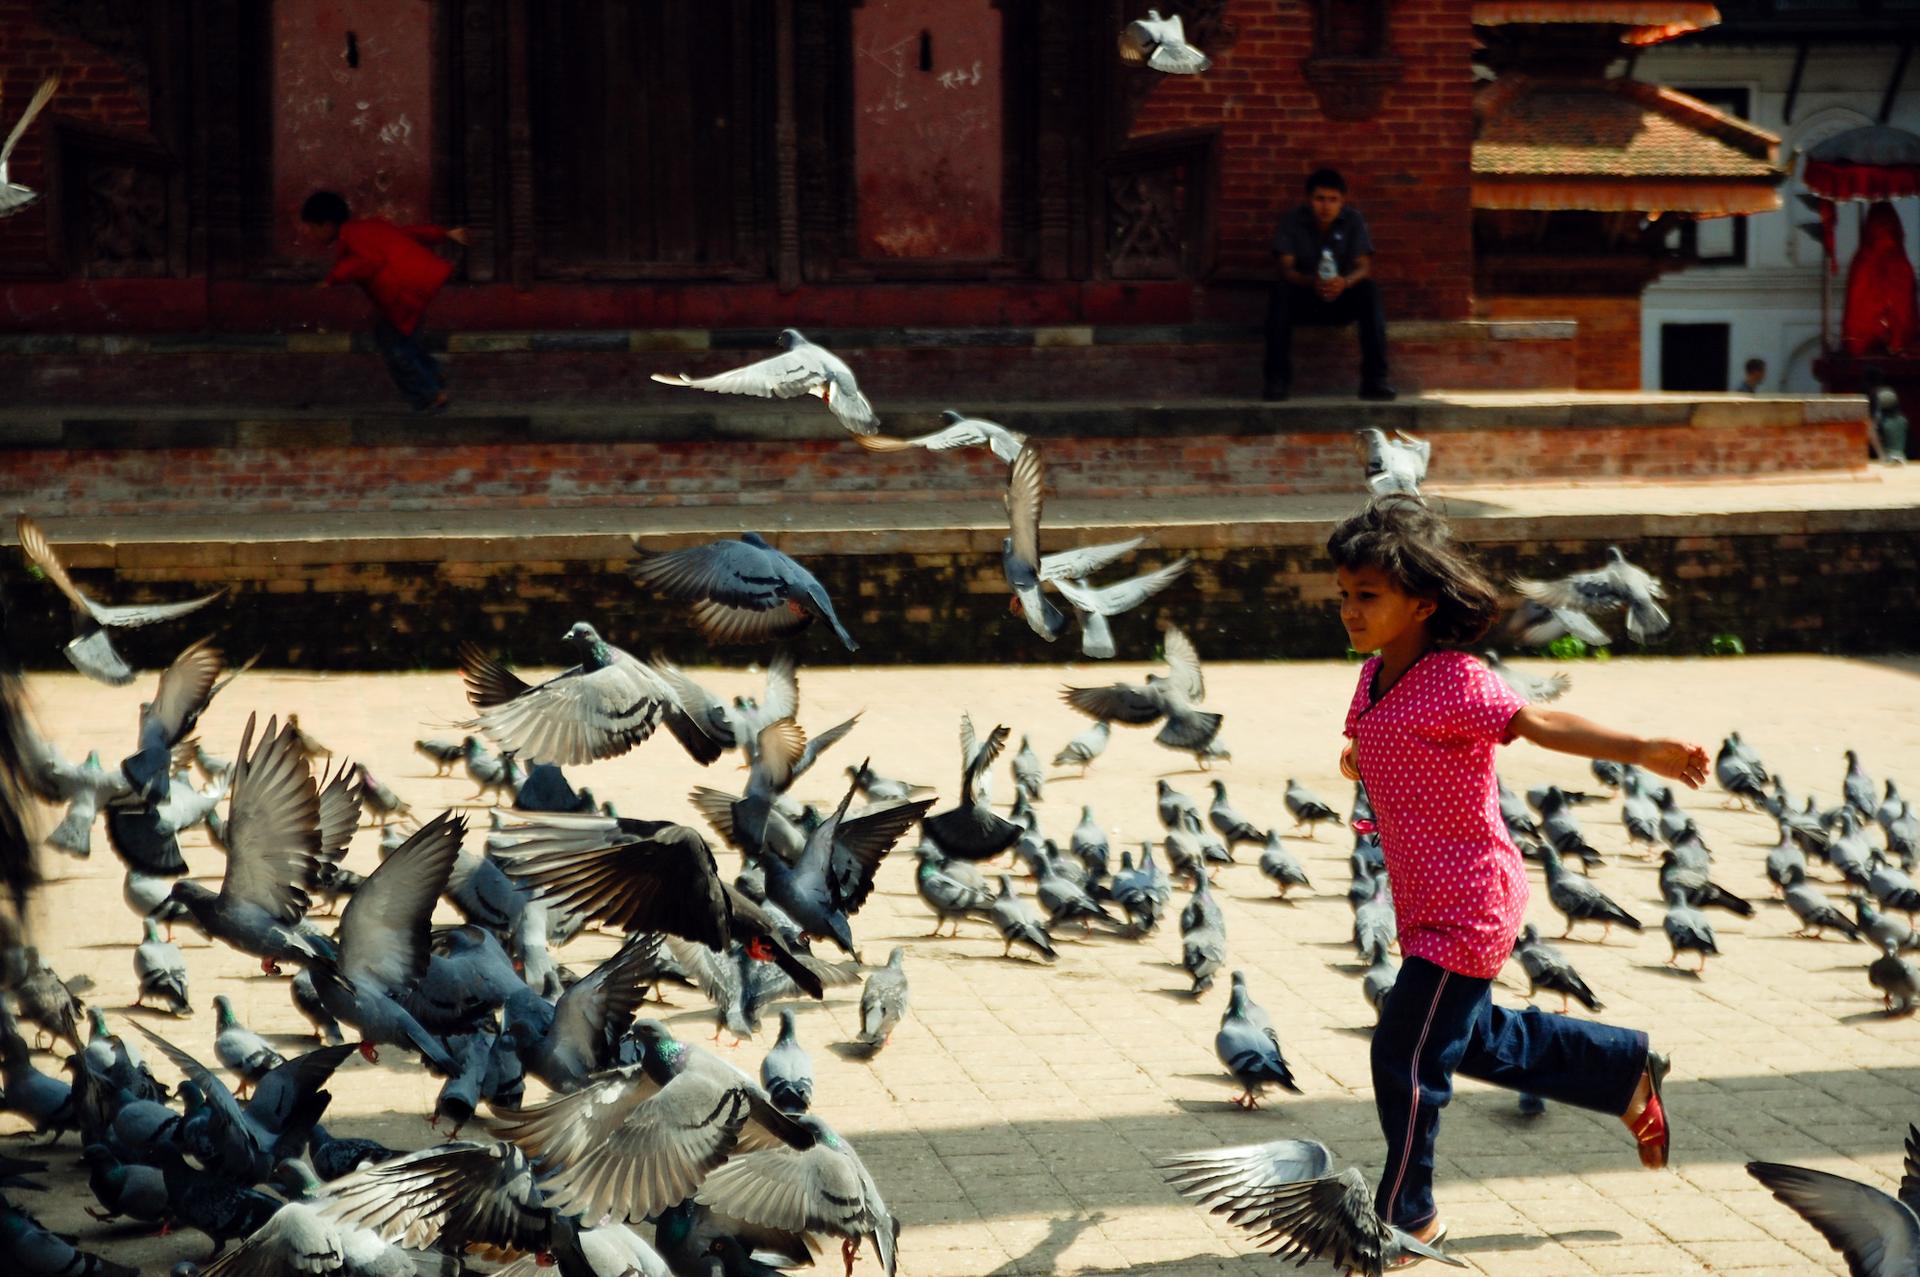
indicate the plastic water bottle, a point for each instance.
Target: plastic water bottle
{"x":1328,"y":267}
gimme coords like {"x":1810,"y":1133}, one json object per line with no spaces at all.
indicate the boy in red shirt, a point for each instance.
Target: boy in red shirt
{"x":401,"y":276}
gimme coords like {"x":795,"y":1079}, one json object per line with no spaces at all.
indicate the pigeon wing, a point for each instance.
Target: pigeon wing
{"x":601,"y":1004}
{"x":817,"y":745}
{"x":185,"y":688}
{"x":580,"y":716}
{"x":1222,"y":1177}
{"x":1330,"y":1218}
{"x":1135,"y":40}
{"x":489,"y":683}
{"x":787,"y":375}
{"x":339,"y":812}
{"x":386,"y":930}
{"x":1176,"y":57}
{"x":861,"y":842}
{"x":1877,"y":1233}
{"x":632,"y":874}
{"x":1025,"y":483}
{"x":1118,"y":703}
{"x":731,"y":572}
{"x":285,"y":1088}
{"x":1123,"y":596}
{"x":729,"y":623}
{"x":1084,"y":561}
{"x":273,"y":829}
{"x":1183,"y":665}
{"x":815,"y":1189}
{"x":462,"y":1191}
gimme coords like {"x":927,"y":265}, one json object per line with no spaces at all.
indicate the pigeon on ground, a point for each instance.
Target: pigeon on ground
{"x":1688,"y":928}
{"x":1857,"y":788}
{"x":1639,"y":814}
{"x":332,"y":1157}
{"x":443,"y":754}
{"x":1611,"y":774}
{"x":1698,"y":889}
{"x":1282,"y":866}
{"x":246,"y":1054}
{"x":1287,"y":1196}
{"x":161,"y":972}
{"x":1851,"y":851}
{"x":274,"y":833}
{"x":1089,"y":844}
{"x":1739,"y":775}
{"x":801,"y":368}
{"x":1229,"y":823}
{"x":949,"y":896}
{"x":742,"y":591}
{"x":91,"y":648}
{"x":1203,"y":938}
{"x":883,"y":1002}
{"x":1897,"y":979}
{"x":1617,"y":586}
{"x":787,"y":1071}
{"x":972,"y":830}
{"x":380,"y":799}
{"x":877,"y":788}
{"x":1815,"y":912}
{"x":1066,"y":900}
{"x":607,"y":703}
{"x":1548,"y":968}
{"x":1084,"y":748}
{"x":307,"y":1000}
{"x":1562,"y":831}
{"x":50,"y":1003}
{"x":1020,"y":551}
{"x":1891,"y":886}
{"x":1882,"y":929}
{"x":1879,"y":1234}
{"x":1095,"y":605}
{"x":1177,"y":810}
{"x":1028,"y":778}
{"x":1135,"y":891}
{"x":1174,"y":697}
{"x":1019,"y":922}
{"x":32,"y":1250}
{"x":46,"y":1102}
{"x":1533,"y":688}
{"x":1393,"y":465}
{"x":1377,"y":981}
{"x":1374,"y":921}
{"x":489,"y":772}
{"x":1307,"y":808}
{"x":1903,"y":836}
{"x":1161,"y":44}
{"x":123,"y":1189}
{"x":1580,"y":900}
{"x":1249,"y":1048}
{"x":960,"y":431}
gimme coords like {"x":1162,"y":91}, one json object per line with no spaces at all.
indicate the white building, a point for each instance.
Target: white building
{"x":1805,"y":70}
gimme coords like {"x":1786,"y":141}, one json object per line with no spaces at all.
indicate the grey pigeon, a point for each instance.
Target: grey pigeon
{"x":1028,"y":778}
{"x":124,"y":1189}
{"x":459,"y":1195}
{"x":1064,"y":899}
{"x":1639,"y":813}
{"x":247,"y":1055}
{"x":1229,"y":823}
{"x":1617,"y":586}
{"x":15,"y":196}
{"x":742,"y":591}
{"x":1883,"y":930}
{"x":1019,"y":922}
{"x":1095,"y":605}
{"x":1249,"y":1048}
{"x":1890,"y":806}
{"x":883,"y":1002}
{"x":462,"y":1091}
{"x":275,"y":836}
{"x":1177,"y":811}
{"x":1533,"y":688}
{"x":1084,"y":748}
{"x":1562,"y":830}
{"x":1536,"y":625}
{"x":380,"y":799}
{"x":1891,"y":886}
{"x":1738,"y":775}
{"x":834,"y":875}
{"x":950,"y":898}
{"x":44,"y":1101}
{"x":1696,"y":888}
{"x":1815,"y":912}
{"x":1288,"y":1198}
{"x":960,"y":431}
{"x":1579,"y":900}
{"x":307,"y":999}
{"x":443,"y":754}
{"x":1548,"y":968}
{"x":49,"y":1002}
{"x":84,"y":789}
{"x":1161,"y":44}
{"x":1903,"y":836}
{"x":1786,"y":863}
{"x":1135,"y":891}
{"x":1282,"y":866}
{"x":1688,"y":928}
{"x":1375,"y":925}
{"x":1878,"y":1234}
{"x":1089,"y":844}
{"x":1857,"y":788}
{"x":814,"y":1183}
{"x":972,"y":830}
{"x":1020,"y":551}
{"x":1851,"y":851}
{"x":640,"y":1137}
{"x":1378,"y":979}
{"x":303,"y":1237}
{"x":91,"y":648}
{"x":1174,"y":697}
{"x":1203,"y":939}
{"x":588,"y":1019}
{"x":1393,"y":465}
{"x":1307,"y":807}
{"x":786,"y":1070}
{"x":31,"y":1249}
{"x":801,"y":368}
{"x":332,"y":1157}
{"x":161,"y":972}
{"x":878,"y":788}
{"x":605,"y":704}
{"x":1897,"y":979}
{"x":490,"y":772}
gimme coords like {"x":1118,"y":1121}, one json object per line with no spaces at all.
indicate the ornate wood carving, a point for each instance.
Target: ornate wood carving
{"x":1159,"y":207}
{"x":117,"y":214}
{"x":1352,"y":64}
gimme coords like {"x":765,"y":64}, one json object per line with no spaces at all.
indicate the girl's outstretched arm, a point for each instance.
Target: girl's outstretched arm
{"x":1571,"y":734}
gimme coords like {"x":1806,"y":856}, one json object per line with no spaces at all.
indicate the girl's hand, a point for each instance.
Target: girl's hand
{"x":1676,"y":760}
{"x":459,"y":236}
{"x":1351,"y":770}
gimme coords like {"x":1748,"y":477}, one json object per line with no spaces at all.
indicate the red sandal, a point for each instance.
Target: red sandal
{"x":1650,"y":1130}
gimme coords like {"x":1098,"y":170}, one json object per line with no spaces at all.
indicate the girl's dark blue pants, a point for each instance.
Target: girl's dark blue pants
{"x":1437,"y":1023}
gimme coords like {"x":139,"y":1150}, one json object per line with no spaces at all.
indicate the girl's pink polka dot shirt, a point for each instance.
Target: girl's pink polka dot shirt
{"x":1425,"y":753}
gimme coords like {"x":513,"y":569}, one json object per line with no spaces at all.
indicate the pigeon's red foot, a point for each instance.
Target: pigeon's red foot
{"x":269,"y":967}
{"x":760,"y":949}
{"x":848,"y":1250}
{"x":369,"y":1053}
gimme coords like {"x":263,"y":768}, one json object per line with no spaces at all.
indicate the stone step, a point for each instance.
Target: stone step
{"x":965,"y":366}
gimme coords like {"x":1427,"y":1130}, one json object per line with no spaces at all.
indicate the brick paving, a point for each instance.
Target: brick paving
{"x":1015,"y":1118}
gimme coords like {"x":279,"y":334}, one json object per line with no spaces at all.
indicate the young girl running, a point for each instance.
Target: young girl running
{"x":1423,"y":726}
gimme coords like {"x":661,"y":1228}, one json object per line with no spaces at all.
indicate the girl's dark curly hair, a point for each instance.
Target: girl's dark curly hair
{"x":1403,"y":537}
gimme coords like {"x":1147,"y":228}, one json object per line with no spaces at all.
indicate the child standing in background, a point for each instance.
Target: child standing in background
{"x":401,"y":276}
{"x":1423,"y":726}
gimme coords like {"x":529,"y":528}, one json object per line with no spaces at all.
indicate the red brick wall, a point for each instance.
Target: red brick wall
{"x":1407,"y":169}
{"x":92,"y":87}
{"x":1607,"y":347}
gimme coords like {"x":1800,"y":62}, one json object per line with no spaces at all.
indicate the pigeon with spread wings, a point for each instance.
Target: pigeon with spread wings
{"x":742,"y":591}
{"x":1173,"y":696}
{"x":1877,"y":1232}
{"x":1617,"y":586}
{"x":91,"y":649}
{"x":14,"y":196}
{"x":973,"y":830}
{"x":1161,"y":44}
{"x":1020,"y":551}
{"x":961,"y":431}
{"x":801,"y":369}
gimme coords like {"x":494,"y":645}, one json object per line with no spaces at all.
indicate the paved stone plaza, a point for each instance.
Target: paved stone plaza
{"x":1014,"y":1121}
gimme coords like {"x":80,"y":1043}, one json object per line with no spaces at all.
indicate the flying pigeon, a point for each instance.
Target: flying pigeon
{"x":973,"y":830}
{"x":961,"y":431}
{"x":1173,"y":696}
{"x":803,"y":369}
{"x":1533,"y":688}
{"x":1393,"y":465}
{"x":1094,"y":605}
{"x":1161,"y":44}
{"x":1619,"y":585}
{"x":1287,"y":1196}
{"x":1020,"y":551}
{"x":14,"y":196}
{"x":742,"y":591}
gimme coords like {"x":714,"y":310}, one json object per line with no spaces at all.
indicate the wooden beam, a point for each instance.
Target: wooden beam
{"x":1793,"y":83}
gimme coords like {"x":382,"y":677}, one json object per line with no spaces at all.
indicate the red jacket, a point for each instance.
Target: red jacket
{"x":389,"y":262}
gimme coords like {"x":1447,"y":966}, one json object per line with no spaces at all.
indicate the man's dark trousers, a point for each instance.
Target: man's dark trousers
{"x":413,"y":369}
{"x":1289,"y":305}
{"x":1436,"y":1024}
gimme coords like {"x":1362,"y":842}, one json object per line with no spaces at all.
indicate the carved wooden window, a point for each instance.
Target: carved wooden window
{"x":1352,"y":63}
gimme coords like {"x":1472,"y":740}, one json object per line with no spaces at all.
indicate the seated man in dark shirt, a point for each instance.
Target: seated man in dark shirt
{"x":1326,"y":260}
